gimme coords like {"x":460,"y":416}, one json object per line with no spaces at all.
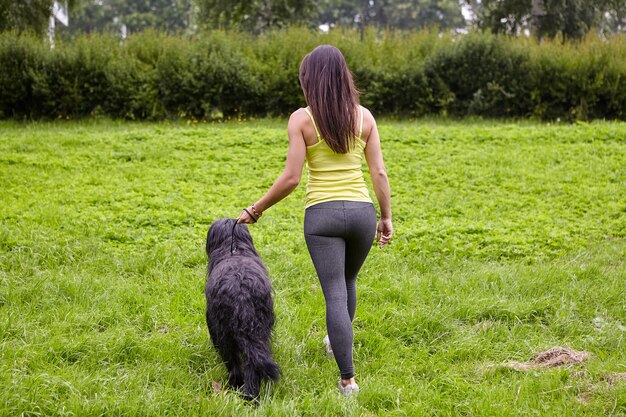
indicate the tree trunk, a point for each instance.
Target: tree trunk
{"x":537,"y":12}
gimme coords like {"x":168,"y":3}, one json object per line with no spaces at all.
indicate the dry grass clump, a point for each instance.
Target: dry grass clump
{"x":556,"y":356}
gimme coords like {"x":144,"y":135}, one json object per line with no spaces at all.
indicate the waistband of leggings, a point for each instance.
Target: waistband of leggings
{"x":341,"y":204}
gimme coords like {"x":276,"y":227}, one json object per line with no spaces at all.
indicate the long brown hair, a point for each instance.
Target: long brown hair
{"x":330,"y":93}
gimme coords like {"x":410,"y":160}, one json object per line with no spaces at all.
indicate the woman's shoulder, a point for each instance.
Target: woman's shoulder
{"x":369,"y":123}
{"x":367,"y":114}
{"x":300,"y":124}
{"x":299,"y":117}
{"x":301,"y":112}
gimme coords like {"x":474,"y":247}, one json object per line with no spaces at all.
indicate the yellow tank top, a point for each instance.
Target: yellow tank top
{"x":335,"y":176}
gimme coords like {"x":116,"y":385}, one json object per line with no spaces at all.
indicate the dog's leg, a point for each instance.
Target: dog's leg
{"x":252,"y":381}
{"x":235,"y":377}
{"x":231,"y":356}
{"x":227,"y":349}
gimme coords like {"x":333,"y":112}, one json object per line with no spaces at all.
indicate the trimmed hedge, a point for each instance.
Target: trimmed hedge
{"x":227,"y":74}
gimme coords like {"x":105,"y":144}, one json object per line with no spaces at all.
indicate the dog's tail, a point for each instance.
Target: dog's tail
{"x":260,"y":366}
{"x":260,"y":357}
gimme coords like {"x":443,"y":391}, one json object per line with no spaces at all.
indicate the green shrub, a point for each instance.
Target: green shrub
{"x":92,"y":70}
{"x":221,"y":74}
{"x":207,"y":77}
{"x":579,"y":81}
{"x":18,"y":55}
{"x":278,"y":56}
{"x":482,"y":75}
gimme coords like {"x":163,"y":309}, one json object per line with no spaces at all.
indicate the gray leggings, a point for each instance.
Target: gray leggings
{"x":339,"y":236}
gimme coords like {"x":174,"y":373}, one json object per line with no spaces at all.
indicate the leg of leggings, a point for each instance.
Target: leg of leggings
{"x":327,"y":254}
{"x":339,"y":236}
{"x":361,"y":231}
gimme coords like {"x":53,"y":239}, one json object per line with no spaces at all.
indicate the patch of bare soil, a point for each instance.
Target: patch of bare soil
{"x":585,"y":397}
{"x":557,"y":356}
{"x":611,"y":380}
{"x":614,"y":378}
{"x":217,"y":387}
{"x":579,"y":374}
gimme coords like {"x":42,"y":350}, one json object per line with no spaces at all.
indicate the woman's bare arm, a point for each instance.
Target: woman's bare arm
{"x":289,"y":179}
{"x":380,"y":182}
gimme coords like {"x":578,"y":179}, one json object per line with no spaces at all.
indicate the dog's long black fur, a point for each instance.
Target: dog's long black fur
{"x":240,"y":313}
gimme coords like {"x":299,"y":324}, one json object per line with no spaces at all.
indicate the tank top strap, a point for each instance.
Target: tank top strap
{"x":317,"y":132}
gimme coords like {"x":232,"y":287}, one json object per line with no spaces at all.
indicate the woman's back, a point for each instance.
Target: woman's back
{"x":335,"y":176}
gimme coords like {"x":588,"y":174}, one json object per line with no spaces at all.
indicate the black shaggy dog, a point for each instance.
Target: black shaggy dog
{"x":239,"y":313}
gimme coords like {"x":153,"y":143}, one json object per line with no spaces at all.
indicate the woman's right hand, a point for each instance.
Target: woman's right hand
{"x":384,"y":231}
{"x":247,"y":217}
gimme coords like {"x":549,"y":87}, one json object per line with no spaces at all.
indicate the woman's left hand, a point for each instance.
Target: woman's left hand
{"x":247,"y":217}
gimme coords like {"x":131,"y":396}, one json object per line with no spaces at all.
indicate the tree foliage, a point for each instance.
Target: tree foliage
{"x":259,"y":15}
{"x":398,"y":14}
{"x":108,"y":16}
{"x":256,"y":15}
{"x":571,"y":19}
{"x":22,"y":15}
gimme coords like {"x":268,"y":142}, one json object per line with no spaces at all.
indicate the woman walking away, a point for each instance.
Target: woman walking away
{"x":332,"y":134}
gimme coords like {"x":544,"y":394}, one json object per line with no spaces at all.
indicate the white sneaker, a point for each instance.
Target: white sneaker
{"x":329,"y":348}
{"x":348,"y":389}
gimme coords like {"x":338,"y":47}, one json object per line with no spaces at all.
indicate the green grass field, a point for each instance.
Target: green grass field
{"x":510,"y":239}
